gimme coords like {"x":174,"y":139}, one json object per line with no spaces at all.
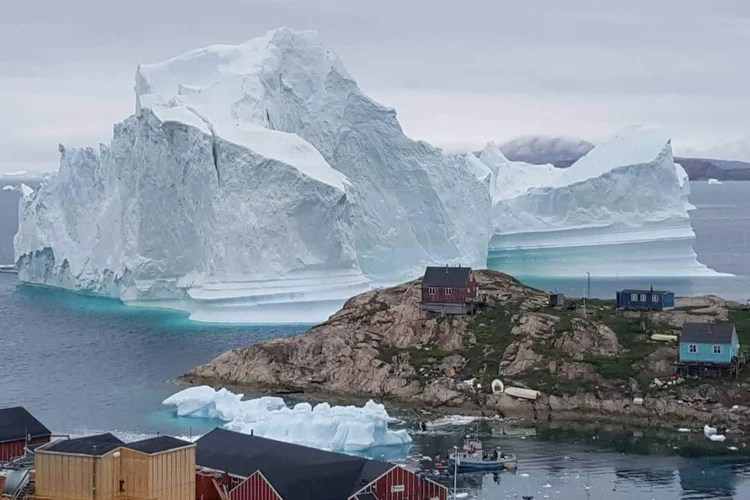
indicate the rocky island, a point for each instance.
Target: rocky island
{"x":602,"y":365}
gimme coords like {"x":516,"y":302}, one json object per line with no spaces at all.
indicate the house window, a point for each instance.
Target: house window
{"x":449,"y":291}
{"x":693,"y":348}
{"x":655,"y":298}
{"x":717,"y":349}
{"x":431,"y":290}
{"x":634,"y":297}
{"x":643,"y":297}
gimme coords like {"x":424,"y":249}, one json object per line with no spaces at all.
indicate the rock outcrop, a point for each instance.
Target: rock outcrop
{"x":382,"y":345}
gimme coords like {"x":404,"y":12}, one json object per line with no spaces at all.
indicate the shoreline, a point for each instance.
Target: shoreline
{"x":656,"y":412}
{"x":585,"y":366}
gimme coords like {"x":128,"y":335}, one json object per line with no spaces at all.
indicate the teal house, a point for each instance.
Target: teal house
{"x":709,"y":344}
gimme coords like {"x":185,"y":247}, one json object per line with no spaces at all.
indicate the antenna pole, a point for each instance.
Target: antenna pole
{"x":455,"y":469}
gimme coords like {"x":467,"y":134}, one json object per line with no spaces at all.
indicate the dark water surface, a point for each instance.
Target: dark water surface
{"x":86,"y":364}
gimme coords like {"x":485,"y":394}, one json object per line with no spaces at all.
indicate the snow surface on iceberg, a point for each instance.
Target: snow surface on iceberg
{"x":252,"y":178}
{"x":337,"y":428}
{"x":413,"y":205}
{"x":622,"y":209}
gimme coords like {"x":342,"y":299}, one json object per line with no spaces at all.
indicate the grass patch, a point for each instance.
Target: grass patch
{"x":741,"y":320}
{"x":492,"y":330}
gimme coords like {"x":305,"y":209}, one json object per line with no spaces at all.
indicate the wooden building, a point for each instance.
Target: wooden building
{"x":650,"y":300}
{"x":19,"y":429}
{"x":449,"y":290}
{"x":710,"y":348}
{"x":264,"y":469}
{"x":102,"y":467}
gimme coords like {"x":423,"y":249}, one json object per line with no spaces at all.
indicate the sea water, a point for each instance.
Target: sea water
{"x":88,"y":364}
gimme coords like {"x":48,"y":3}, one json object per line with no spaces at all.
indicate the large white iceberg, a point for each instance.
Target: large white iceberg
{"x":621,"y":210}
{"x":338,"y":428}
{"x":250,"y":178}
{"x":258,"y":183}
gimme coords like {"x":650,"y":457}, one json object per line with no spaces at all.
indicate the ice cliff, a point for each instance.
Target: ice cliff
{"x":250,"y":175}
{"x":621,"y":210}
{"x":258,"y":177}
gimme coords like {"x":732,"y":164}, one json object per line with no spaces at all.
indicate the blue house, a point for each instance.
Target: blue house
{"x":652,"y":300}
{"x":715,"y":343}
{"x":710,"y":349}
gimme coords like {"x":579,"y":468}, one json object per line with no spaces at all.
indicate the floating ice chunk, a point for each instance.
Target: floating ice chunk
{"x":11,"y":188}
{"x":341,"y":428}
{"x":683,"y":429}
{"x":708,"y":430}
{"x":717,"y":437}
{"x":714,"y":181}
{"x":732,"y":448}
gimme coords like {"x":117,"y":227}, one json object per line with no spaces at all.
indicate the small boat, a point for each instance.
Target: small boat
{"x":472,"y":457}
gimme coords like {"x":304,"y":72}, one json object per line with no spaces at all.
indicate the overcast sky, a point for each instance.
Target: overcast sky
{"x":459,"y":73}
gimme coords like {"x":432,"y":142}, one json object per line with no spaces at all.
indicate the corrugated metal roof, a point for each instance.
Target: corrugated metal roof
{"x":446,"y":276}
{"x":661,"y":292}
{"x":707,"y":333}
{"x":16,"y":423}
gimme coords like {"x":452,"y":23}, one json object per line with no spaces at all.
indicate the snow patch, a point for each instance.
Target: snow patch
{"x":337,"y":428}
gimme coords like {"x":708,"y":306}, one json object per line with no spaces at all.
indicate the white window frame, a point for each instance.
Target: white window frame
{"x":692,"y":348}
{"x":634,"y":297}
{"x":449,"y":291}
{"x":431,"y":290}
{"x":717,"y":349}
{"x":655,"y":298}
{"x":643,"y":298}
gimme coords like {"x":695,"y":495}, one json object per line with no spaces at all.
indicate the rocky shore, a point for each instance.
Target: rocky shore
{"x":602,"y":366}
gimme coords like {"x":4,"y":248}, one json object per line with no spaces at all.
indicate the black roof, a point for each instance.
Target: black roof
{"x":631,"y":290}
{"x":97,"y":445}
{"x":446,"y":276}
{"x":296,"y":472}
{"x":707,"y":332}
{"x":158,"y":444}
{"x":16,"y":423}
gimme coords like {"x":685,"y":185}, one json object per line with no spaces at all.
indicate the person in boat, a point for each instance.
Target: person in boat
{"x":494,"y":455}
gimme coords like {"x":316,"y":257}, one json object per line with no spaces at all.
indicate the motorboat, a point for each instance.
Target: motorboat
{"x":473,"y":457}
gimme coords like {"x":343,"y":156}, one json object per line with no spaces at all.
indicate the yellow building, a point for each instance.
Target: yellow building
{"x":104,"y":468}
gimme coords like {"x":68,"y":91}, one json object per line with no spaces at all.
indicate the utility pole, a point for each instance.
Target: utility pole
{"x":455,"y":469}
{"x":588,"y":283}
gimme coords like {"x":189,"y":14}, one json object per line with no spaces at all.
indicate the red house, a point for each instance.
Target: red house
{"x":448,"y":290}
{"x":19,"y":429}
{"x":264,"y":469}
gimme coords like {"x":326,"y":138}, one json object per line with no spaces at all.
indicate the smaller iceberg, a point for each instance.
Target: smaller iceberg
{"x":336,"y":428}
{"x":714,"y":181}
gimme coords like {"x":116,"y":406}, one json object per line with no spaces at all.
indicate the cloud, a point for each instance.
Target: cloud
{"x":458,"y":73}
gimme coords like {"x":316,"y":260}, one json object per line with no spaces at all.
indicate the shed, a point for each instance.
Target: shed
{"x":709,"y":343}
{"x":556,"y":299}
{"x":19,"y":429}
{"x":652,"y":300}
{"x":265,"y":469}
{"x":105,"y":468}
{"x":448,"y":290}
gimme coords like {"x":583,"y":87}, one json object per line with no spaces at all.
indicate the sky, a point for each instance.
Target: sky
{"x":459,"y":74}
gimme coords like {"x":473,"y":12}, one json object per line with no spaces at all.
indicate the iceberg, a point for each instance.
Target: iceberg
{"x":336,"y":428}
{"x":621,"y":210}
{"x":252,"y":180}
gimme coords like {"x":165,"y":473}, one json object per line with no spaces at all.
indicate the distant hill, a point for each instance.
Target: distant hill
{"x":563,"y":152}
